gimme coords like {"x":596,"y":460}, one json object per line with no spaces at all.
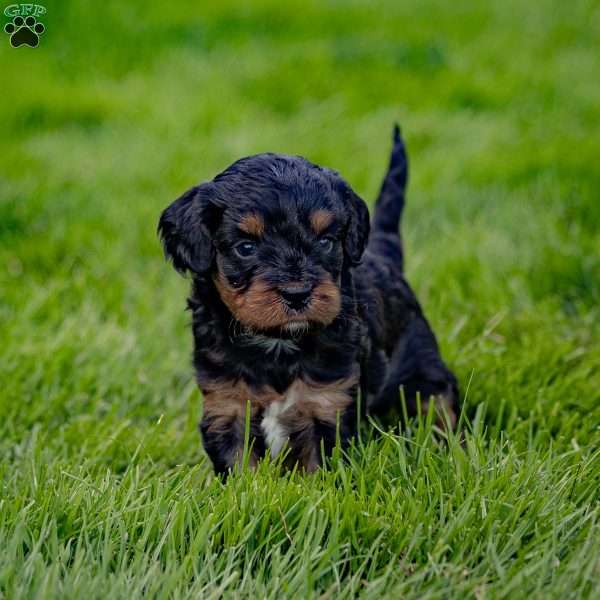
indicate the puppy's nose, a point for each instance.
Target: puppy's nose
{"x":296,"y":297}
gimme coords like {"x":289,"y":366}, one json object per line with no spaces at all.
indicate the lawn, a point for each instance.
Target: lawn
{"x":106,"y":492}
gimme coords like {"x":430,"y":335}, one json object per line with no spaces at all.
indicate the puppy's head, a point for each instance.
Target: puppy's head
{"x":274,"y":233}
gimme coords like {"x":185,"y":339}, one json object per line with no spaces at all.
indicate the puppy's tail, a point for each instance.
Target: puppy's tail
{"x":390,"y":203}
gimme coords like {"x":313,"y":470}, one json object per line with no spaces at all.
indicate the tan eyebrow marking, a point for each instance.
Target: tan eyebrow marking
{"x":252,"y":224}
{"x":320,"y":220}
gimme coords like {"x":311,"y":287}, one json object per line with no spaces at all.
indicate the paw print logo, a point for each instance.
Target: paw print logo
{"x":24,"y":31}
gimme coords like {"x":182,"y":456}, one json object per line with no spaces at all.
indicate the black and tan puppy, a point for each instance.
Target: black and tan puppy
{"x":295,"y":307}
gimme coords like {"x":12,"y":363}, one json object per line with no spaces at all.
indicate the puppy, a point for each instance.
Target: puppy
{"x":296,"y":309}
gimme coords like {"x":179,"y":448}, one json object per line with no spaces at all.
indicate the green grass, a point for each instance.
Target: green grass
{"x":106,"y":492}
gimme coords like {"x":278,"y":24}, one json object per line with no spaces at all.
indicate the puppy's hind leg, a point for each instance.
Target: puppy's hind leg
{"x":417,"y":367}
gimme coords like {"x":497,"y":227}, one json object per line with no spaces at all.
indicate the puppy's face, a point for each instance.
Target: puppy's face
{"x":273,"y":233}
{"x":278,"y":265}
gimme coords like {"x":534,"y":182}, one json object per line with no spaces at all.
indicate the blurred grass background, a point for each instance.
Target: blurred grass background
{"x":121,"y":108}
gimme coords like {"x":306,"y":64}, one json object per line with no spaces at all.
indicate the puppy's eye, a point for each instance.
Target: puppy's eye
{"x":245,"y":249}
{"x":326,"y":244}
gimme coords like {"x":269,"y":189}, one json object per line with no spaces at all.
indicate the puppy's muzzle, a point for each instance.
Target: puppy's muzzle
{"x":296,"y":297}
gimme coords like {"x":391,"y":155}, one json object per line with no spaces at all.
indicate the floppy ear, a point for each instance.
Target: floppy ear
{"x":185,"y":232}
{"x":357,"y":233}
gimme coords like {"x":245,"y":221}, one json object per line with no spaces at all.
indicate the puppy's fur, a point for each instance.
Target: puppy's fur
{"x":295,"y":307}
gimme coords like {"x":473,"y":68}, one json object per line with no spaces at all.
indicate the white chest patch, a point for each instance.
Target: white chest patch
{"x":275,"y":432}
